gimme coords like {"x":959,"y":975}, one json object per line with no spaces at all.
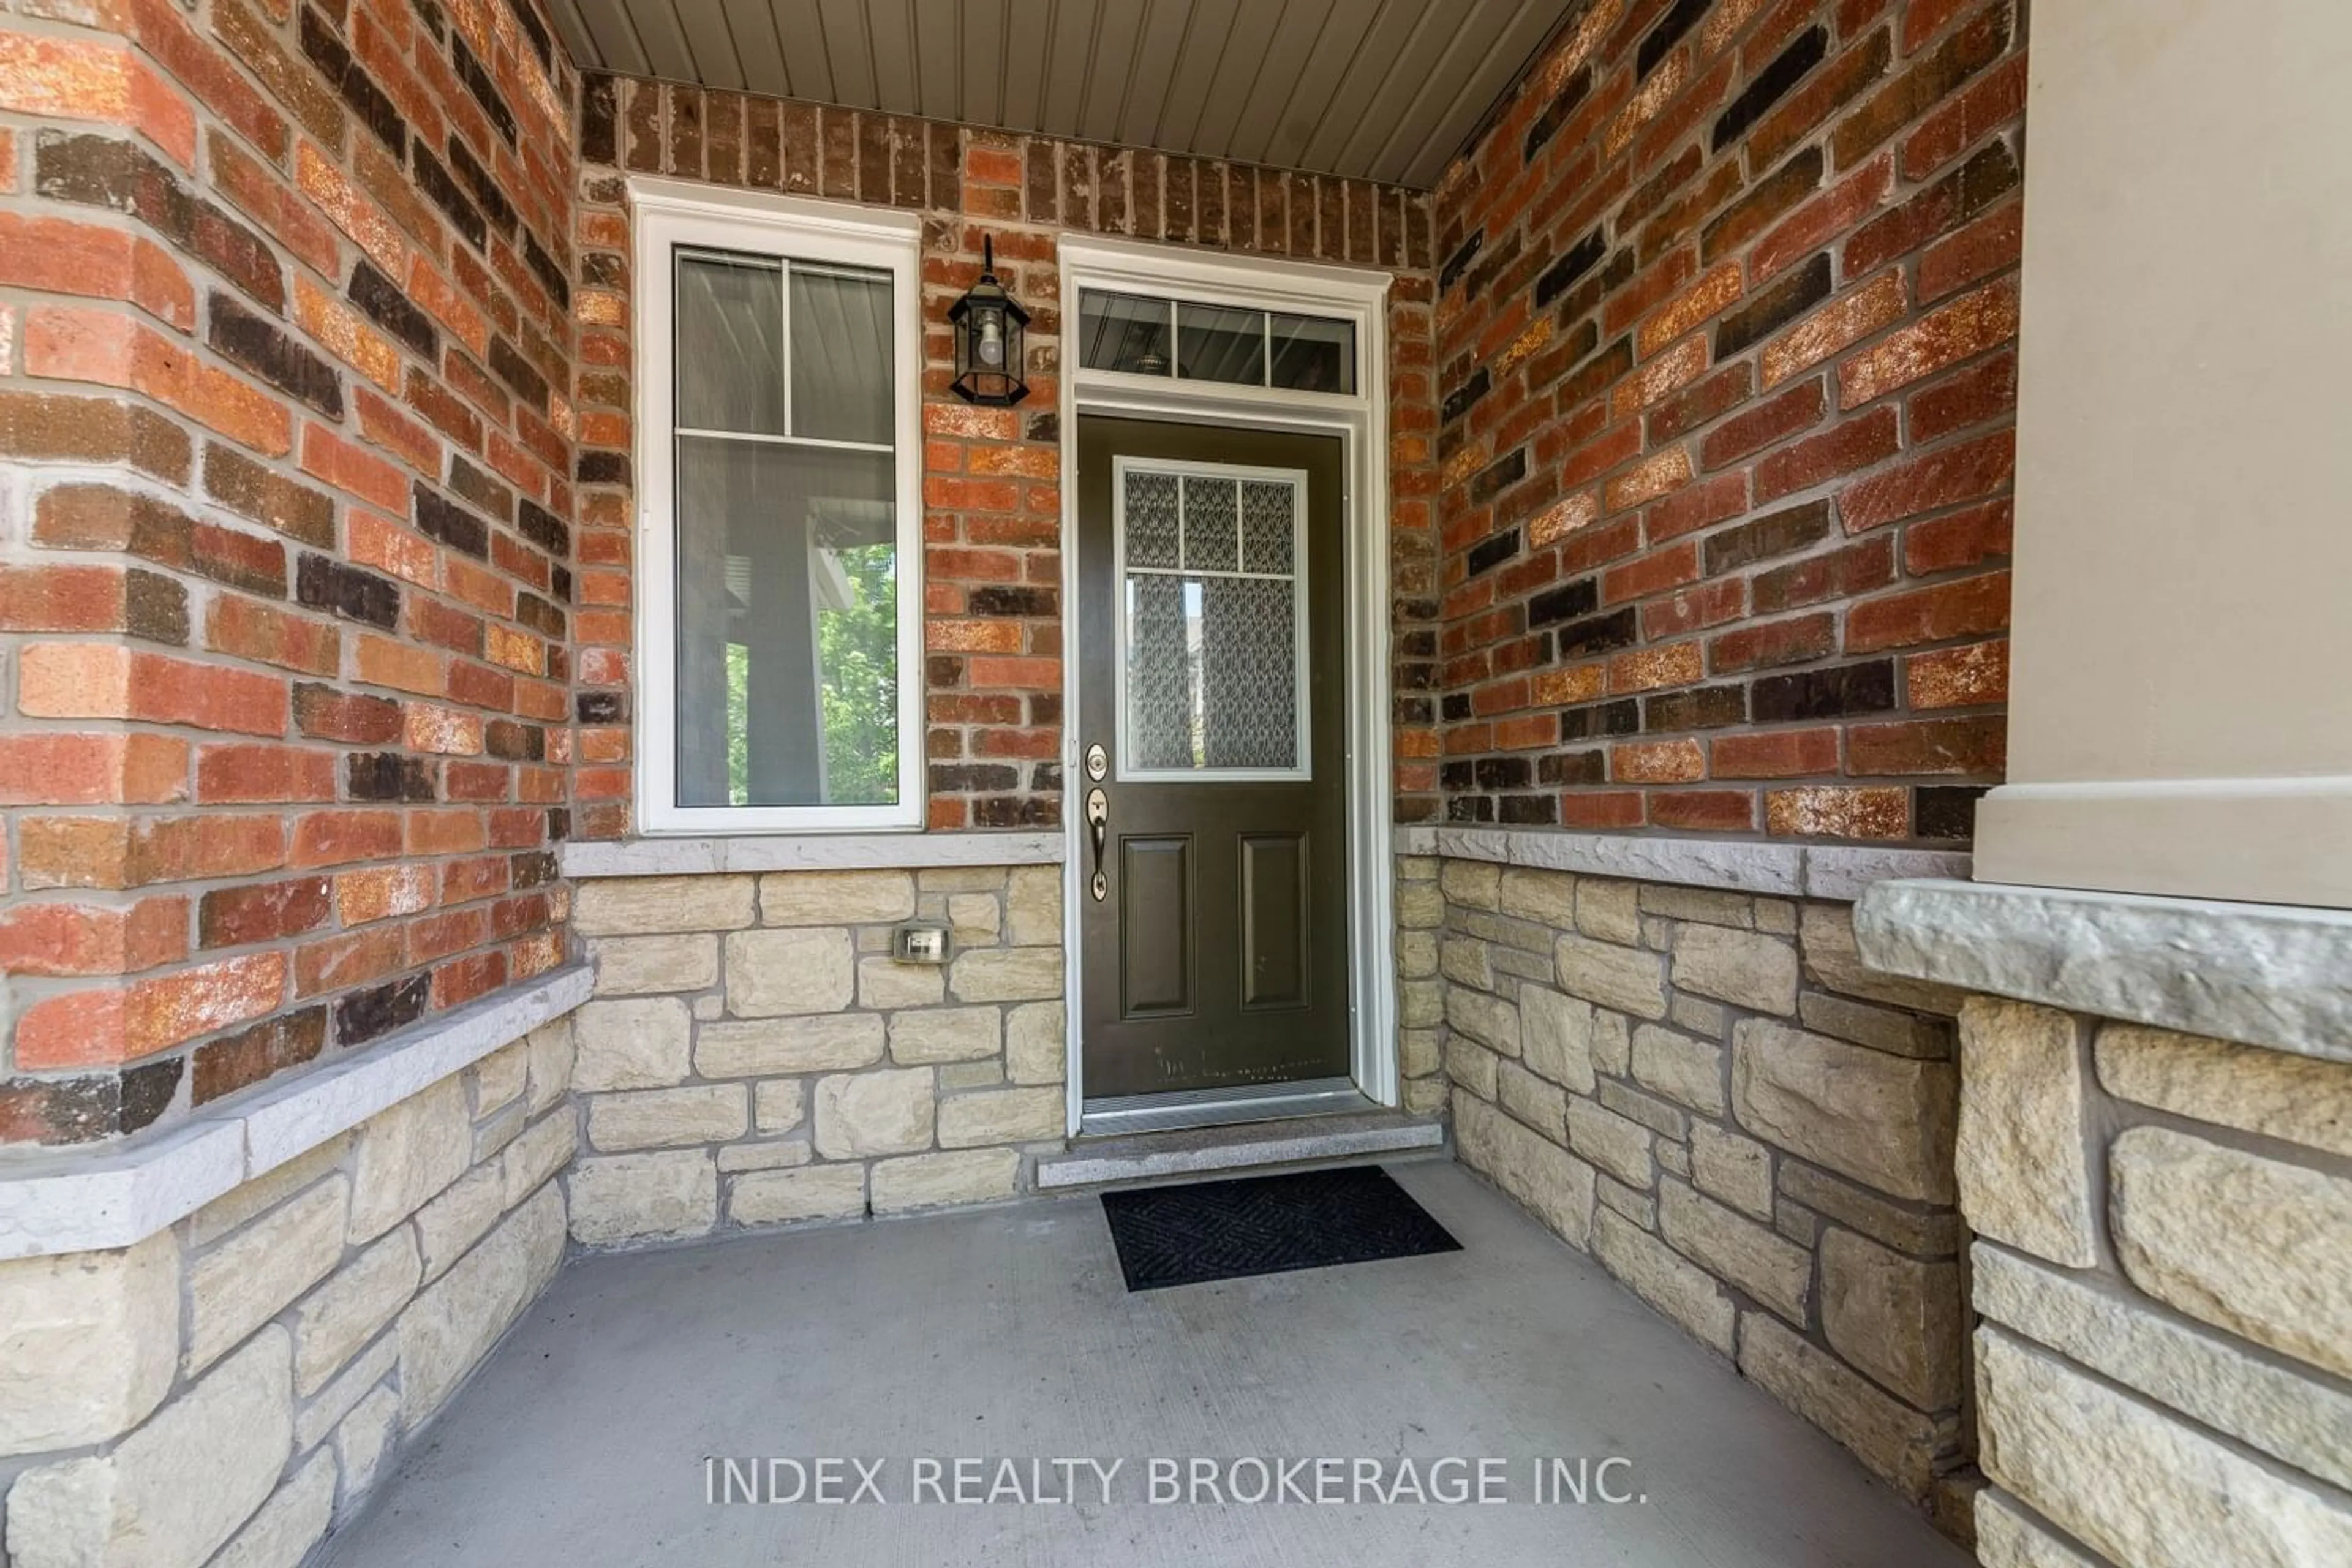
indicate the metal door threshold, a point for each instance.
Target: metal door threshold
{"x":1221,"y":1107}
{"x":1292,"y":1141}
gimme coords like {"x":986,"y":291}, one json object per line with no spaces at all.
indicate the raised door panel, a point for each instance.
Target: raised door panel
{"x":1274,"y":921}
{"x":1155,"y":891}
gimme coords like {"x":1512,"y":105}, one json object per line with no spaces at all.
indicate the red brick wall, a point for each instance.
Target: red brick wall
{"x":1727,"y":310}
{"x":992,"y":500}
{"x":285,"y":519}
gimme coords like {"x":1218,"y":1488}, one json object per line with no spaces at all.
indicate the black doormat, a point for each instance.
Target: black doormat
{"x":1268,"y":1224}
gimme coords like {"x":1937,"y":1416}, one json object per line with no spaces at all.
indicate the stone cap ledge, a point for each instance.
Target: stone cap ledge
{"x":1743,"y":865}
{"x":687,"y":856}
{"x":2275,"y":975}
{"x":118,"y":1195}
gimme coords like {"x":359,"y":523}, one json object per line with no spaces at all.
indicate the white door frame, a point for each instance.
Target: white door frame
{"x":1360,"y":421}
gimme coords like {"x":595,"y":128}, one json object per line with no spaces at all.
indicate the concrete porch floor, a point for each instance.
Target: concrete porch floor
{"x":1009,"y":1333}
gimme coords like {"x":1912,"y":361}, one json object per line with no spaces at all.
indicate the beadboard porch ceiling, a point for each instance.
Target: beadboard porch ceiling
{"x":1381,"y":90}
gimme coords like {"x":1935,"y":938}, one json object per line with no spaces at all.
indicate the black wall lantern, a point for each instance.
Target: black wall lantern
{"x":991,"y":333}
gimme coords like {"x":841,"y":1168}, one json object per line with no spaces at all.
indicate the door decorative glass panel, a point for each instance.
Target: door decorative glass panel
{"x":1211,"y":623}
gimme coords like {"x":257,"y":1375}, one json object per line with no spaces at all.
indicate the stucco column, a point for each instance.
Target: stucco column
{"x":2179,"y":719}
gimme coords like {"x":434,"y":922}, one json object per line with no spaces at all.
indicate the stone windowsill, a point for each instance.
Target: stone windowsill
{"x":1786,"y":870}
{"x":117,"y":1194}
{"x":687,"y":856}
{"x":2267,"y":975}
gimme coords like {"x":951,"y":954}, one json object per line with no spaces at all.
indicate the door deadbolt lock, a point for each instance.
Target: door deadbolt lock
{"x":1097,"y":763}
{"x":1098,"y":832}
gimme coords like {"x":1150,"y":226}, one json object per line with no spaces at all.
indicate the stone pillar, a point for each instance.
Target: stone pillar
{"x":2162,"y":1263}
{"x":2161,"y":1347}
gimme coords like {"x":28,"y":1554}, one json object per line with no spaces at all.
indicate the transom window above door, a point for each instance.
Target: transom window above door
{"x":1196,"y":340}
{"x":782,"y":674}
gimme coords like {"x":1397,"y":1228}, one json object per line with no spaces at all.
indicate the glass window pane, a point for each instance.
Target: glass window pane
{"x":1249,"y":673}
{"x":1163,"y":715}
{"x":1214,"y":344}
{"x":1212,"y":672}
{"x":1269,"y":527}
{"x":841,"y":356}
{"x":1123,"y":332}
{"x":1211,"y":648}
{"x":730,"y":337}
{"x":1212,"y":526}
{"x":1152,"y":519}
{"x":787,"y":615}
{"x":1311,"y":354}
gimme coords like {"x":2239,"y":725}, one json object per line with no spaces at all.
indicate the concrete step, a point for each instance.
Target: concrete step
{"x":1252,"y":1146}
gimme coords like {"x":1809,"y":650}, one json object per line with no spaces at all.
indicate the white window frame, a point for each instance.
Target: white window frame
{"x":669,"y":214}
{"x":1294,"y":480}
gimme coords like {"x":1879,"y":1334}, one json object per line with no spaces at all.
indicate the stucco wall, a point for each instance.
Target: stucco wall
{"x":2180,"y":717}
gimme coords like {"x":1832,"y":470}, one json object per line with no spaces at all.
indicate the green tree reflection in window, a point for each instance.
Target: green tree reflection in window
{"x":858,"y":661}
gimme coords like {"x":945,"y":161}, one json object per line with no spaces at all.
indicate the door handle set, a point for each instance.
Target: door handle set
{"x":1099,"y":816}
{"x":1099,"y":829}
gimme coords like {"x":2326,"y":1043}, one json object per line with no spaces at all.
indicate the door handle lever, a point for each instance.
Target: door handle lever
{"x":1099,"y":830}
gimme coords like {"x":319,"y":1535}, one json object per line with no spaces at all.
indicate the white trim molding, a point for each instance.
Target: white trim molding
{"x":119,"y":1195}
{"x":1839,"y":871}
{"x":669,"y":214}
{"x":1359,"y":419}
{"x":2265,"y":974}
{"x":587,"y":859}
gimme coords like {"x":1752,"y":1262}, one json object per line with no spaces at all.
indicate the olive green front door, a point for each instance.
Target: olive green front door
{"x":1211,"y":737}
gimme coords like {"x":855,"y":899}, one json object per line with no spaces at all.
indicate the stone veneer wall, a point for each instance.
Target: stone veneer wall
{"x":2163,"y":1264}
{"x":1425,"y":1090}
{"x":230,"y":1388}
{"x":755,"y":1055}
{"x":1708,"y":1093}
